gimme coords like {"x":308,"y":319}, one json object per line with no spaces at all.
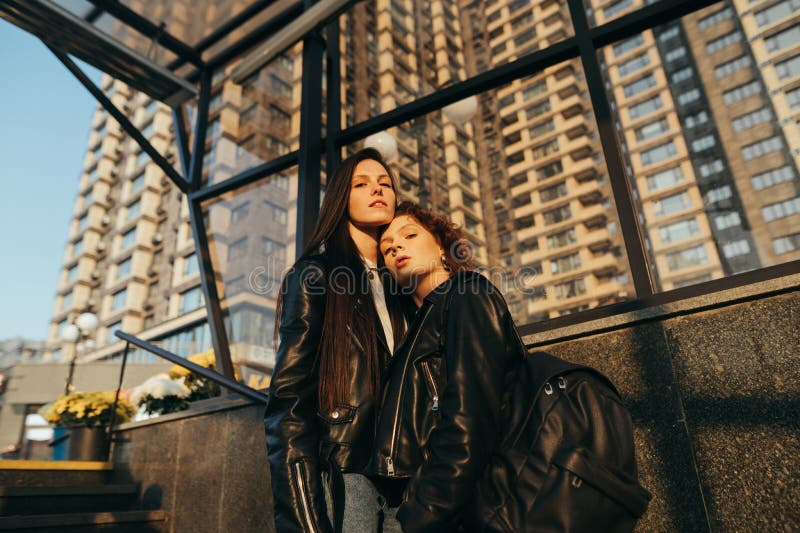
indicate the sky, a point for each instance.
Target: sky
{"x":45,"y":119}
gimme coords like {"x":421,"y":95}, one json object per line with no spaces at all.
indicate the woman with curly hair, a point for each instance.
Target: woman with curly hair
{"x":441,"y":407}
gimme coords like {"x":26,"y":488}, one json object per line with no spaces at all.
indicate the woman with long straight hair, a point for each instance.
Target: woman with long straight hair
{"x":335,"y":336}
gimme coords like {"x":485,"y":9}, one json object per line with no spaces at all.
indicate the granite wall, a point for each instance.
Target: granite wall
{"x":715,"y":398}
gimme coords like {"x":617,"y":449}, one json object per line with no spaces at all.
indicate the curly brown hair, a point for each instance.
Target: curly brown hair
{"x":458,"y":250}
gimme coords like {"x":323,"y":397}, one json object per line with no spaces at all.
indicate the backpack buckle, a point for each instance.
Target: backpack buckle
{"x":562,"y":383}
{"x":576,"y":482}
{"x":548,"y":389}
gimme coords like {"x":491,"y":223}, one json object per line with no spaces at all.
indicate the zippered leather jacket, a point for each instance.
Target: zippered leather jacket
{"x":441,"y":410}
{"x":301,"y":441}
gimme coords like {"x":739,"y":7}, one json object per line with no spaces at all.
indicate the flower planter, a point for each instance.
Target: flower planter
{"x":88,"y":444}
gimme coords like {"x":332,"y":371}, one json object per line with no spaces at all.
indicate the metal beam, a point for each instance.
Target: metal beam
{"x":199,"y":148}
{"x":123,"y":121}
{"x":182,"y":138}
{"x":623,"y":196}
{"x":245,"y":178}
{"x":309,"y":158}
{"x":216,"y":322}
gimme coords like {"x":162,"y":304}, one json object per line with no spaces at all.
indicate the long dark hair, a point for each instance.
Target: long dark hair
{"x":348,"y":302}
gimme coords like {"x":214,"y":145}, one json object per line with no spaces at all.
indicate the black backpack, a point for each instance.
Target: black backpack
{"x":566,"y":458}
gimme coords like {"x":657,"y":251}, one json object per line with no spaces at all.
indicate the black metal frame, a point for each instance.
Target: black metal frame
{"x":584,"y":45}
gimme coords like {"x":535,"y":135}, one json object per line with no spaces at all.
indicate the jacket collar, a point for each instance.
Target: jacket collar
{"x":457,"y":280}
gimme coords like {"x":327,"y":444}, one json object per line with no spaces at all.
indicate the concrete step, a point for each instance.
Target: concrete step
{"x":123,"y":521}
{"x":43,"y":473}
{"x":18,"y":500}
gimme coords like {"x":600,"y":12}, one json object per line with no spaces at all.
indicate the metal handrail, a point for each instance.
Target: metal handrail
{"x":216,"y":377}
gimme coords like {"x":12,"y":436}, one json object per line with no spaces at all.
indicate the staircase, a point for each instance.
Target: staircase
{"x":67,"y":496}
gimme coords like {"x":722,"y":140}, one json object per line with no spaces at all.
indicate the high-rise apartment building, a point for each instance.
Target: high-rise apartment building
{"x":706,"y":109}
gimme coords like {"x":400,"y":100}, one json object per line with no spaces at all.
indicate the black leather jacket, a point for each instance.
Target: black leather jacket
{"x":301,"y":441}
{"x":441,"y":410}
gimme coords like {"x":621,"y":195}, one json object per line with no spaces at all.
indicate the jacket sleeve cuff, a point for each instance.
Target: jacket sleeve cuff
{"x":416,"y":518}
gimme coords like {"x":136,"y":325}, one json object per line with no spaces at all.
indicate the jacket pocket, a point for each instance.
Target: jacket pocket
{"x":582,"y":493}
{"x":342,"y":414}
{"x":430,"y":381}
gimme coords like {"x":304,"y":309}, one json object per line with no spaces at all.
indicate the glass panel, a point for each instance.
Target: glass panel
{"x":187,"y":20}
{"x":397,"y":51}
{"x":602,"y":11}
{"x":527,"y":180}
{"x":251,"y":234}
{"x":255,"y":122}
{"x":715,"y":172}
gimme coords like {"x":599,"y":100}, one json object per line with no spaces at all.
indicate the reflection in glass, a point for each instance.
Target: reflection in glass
{"x":251,"y":234}
{"x":525,"y":177}
{"x":714,"y":169}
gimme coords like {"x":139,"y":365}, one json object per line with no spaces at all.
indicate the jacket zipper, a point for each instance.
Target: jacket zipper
{"x":389,"y":460}
{"x":427,"y":371}
{"x":303,"y":497}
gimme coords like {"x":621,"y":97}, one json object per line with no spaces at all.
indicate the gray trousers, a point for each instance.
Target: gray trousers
{"x":363,"y":507}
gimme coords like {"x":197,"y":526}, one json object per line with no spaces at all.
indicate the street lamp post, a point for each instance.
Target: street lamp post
{"x":79,"y":332}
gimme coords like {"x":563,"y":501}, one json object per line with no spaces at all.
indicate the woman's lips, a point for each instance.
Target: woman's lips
{"x":402,"y":261}
{"x":378,"y":203}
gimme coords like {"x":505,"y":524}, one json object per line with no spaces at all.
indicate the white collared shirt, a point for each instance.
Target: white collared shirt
{"x":380,"y":302}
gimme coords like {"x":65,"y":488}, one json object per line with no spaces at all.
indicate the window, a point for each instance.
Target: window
{"x":570,"y":289}
{"x":119,"y":299}
{"x":670,"y":33}
{"x":689,"y":96}
{"x":137,"y":183}
{"x":566,"y":263}
{"x":683,"y":74}
{"x":133,"y":210}
{"x":735,"y":65}
{"x":561,"y":239}
{"x":66,"y":302}
{"x":714,"y":167}
{"x":627,"y":45}
{"x":717,"y":194}
{"x":696,"y":119}
{"x":112,"y":329}
{"x":77,"y":248}
{"x":616,"y":8}
{"x":673,"y":204}
{"x":638,"y":86}
{"x":723,"y":42}
{"x":237,"y":249}
{"x":537,"y":109}
{"x":559,"y":214}
{"x":665,"y":178}
{"x":529,"y":245}
{"x":239,"y":212}
{"x":278,"y":214}
{"x":645,"y":108}
{"x":789,"y":68}
{"x":541,"y":128}
{"x":128,"y":239}
{"x":190,"y":265}
{"x":703,"y":143}
{"x":687,"y":258}
{"x":658,"y":154}
{"x":793,"y":98}
{"x":782,"y":209}
{"x":788,"y":243}
{"x":273,"y":249}
{"x":124,"y":269}
{"x":728,"y":220}
{"x":760,"y":148}
{"x":632,"y":65}
{"x":736,"y":248}
{"x":191,"y":299}
{"x":142,"y":159}
{"x":83,"y":222}
{"x":777,"y":12}
{"x":553,"y":192}
{"x":752,"y":119}
{"x":714,"y":18}
{"x":679,"y":231}
{"x":771,"y":177}
{"x":545,"y":149}
{"x":549,"y":170}
{"x":785,"y":39}
{"x":534,"y":90}
{"x":280,"y":87}
{"x":675,"y":54}
{"x":741,"y":92}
